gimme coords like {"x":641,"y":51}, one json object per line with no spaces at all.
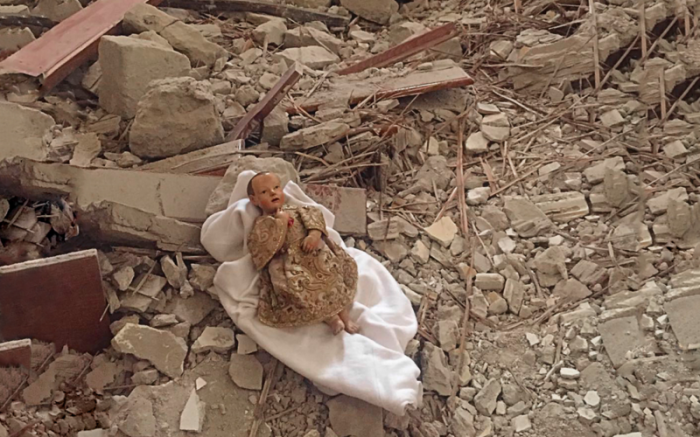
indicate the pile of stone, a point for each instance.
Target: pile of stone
{"x":576,"y":257}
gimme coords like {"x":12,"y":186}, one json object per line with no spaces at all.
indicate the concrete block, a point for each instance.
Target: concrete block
{"x":57,"y":300}
{"x":621,"y":335}
{"x":129,"y":65}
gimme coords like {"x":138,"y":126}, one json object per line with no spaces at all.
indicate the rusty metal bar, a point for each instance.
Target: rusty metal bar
{"x":406,"y":49}
{"x":267,"y":104}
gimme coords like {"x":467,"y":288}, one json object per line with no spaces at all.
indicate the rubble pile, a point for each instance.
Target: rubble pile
{"x":543,"y":221}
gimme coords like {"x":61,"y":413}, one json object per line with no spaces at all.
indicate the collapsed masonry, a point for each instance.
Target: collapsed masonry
{"x":575,"y":279}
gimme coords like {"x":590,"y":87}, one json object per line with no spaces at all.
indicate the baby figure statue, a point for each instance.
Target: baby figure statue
{"x":305,"y":277}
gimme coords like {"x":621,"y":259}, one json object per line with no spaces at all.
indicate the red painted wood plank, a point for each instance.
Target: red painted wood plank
{"x":75,"y":37}
{"x":57,"y":300}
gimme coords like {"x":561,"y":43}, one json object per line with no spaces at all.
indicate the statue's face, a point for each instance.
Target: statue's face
{"x":268,"y":193}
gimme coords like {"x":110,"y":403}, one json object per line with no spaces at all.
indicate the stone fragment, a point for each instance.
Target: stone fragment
{"x":102,"y":376}
{"x":273,"y":32}
{"x":596,"y":174}
{"x":163,"y":349}
{"x":57,"y":10}
{"x":22,"y":132}
{"x":215,"y":339}
{"x":65,"y":368}
{"x":123,"y":277}
{"x":176,"y":273}
{"x":659,"y":204}
{"x":679,"y":218}
{"x":569,"y":373}
{"x":675,"y":149}
{"x":304,"y":36}
{"x":434,"y":173}
{"x":202,"y":276}
{"x":420,"y":252}
{"x":592,"y":399}
{"x":179,"y":108}
{"x":485,"y":400}
{"x":562,"y":207}
{"x":190,"y":42}
{"x":683,"y":313}
{"x":87,"y":149}
{"x":477,"y":143}
{"x":571,"y":290}
{"x":314,"y":57}
{"x":144,"y":18}
{"x":192,"y":310}
{"x":525,"y":217}
{"x":344,"y":412}
{"x":128,"y":66}
{"x":13,"y":39}
{"x":311,"y":4}
{"x":246,"y":345}
{"x":620,"y":336}
{"x":91,"y":433}
{"x":521,"y":423}
{"x":588,"y":272}
{"x":496,"y":127}
{"x":192,"y":417}
{"x":437,"y":376}
{"x":448,"y":333}
{"x":498,"y":305}
{"x":612,"y":118}
{"x":552,"y":262}
{"x":275,"y":127}
{"x":616,"y":187}
{"x":514,"y":293}
{"x":139,"y":419}
{"x":246,"y":371}
{"x":314,"y":136}
{"x":489,"y":281}
{"x":443,"y":231}
{"x":387,"y":229}
{"x":379,"y":11}
{"x":478,"y":196}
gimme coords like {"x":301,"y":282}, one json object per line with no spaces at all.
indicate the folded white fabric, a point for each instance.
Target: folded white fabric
{"x":370,"y":366}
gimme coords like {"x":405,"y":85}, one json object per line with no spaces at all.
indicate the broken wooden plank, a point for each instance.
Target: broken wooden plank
{"x":354,"y":89}
{"x":26,"y":21}
{"x":16,"y":353}
{"x":58,"y":52}
{"x":405,"y":50}
{"x":199,"y":160}
{"x":349,"y":205}
{"x":57,"y":300}
{"x":299,"y":15}
{"x":267,"y":104}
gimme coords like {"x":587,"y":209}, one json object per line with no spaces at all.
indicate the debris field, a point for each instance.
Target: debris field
{"x":527,"y":171}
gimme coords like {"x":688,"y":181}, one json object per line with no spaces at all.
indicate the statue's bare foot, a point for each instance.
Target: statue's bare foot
{"x":336,"y":324}
{"x":350,"y":326}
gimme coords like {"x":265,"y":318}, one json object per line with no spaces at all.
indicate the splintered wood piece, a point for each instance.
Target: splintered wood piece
{"x":199,"y":160}
{"x":355,"y":89}
{"x":16,"y":353}
{"x":57,"y":300}
{"x":406,"y":49}
{"x":300,"y":15}
{"x":267,"y":104}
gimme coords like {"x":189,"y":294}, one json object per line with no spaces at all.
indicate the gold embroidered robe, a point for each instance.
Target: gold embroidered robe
{"x":299,"y":288}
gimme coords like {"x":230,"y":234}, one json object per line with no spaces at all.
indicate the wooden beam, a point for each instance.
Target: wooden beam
{"x":406,"y":49}
{"x":299,"y":15}
{"x":267,"y":104}
{"x":57,"y":300}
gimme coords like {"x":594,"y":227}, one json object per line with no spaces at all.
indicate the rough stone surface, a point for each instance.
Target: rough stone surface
{"x":246,"y":371}
{"x":377,"y":11}
{"x":179,"y":108}
{"x":443,"y":231}
{"x":314,"y":136}
{"x":485,"y":400}
{"x":163,"y":349}
{"x":436,"y":374}
{"x":13,"y":39}
{"x":620,"y":336}
{"x":313,"y":57}
{"x":525,"y":217}
{"x":128,"y":66}
{"x":22,"y":132}
{"x":496,"y":127}
{"x":273,"y":31}
{"x":683,"y":312}
{"x":215,"y":339}
{"x":57,"y":10}
{"x":304,"y":36}
{"x":344,"y":412}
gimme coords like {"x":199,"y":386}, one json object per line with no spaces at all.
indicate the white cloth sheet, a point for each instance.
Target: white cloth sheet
{"x":370,"y":366}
